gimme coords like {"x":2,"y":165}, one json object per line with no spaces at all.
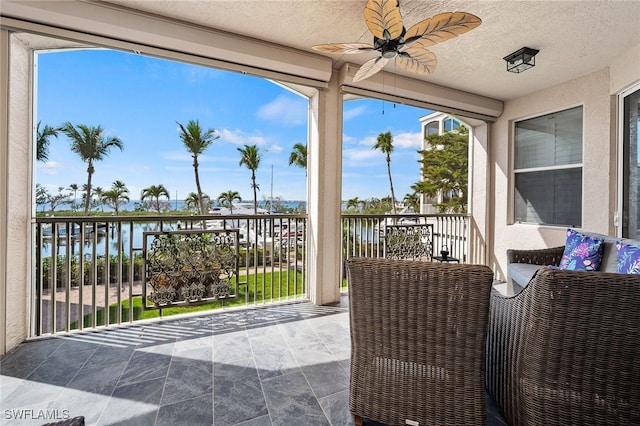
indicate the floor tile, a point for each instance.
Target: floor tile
{"x":135,"y":403}
{"x":81,"y":403}
{"x":100,"y":380}
{"x":336,"y":408}
{"x":194,"y":412}
{"x":189,"y":378}
{"x":27,"y":357}
{"x":291,"y":401}
{"x":60,"y":368}
{"x":238,"y":395}
{"x":273,"y":357}
{"x":145,"y":366}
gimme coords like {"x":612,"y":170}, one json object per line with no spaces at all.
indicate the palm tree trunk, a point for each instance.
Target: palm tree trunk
{"x":255,"y":194}
{"x":87,"y":201}
{"x":393,"y":197}
{"x":195,"y":169}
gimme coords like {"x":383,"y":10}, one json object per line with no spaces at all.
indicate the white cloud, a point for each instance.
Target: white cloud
{"x":286,"y":110}
{"x":368,"y":141}
{"x":351,"y":113}
{"x":49,"y":168}
{"x":407,"y":140}
{"x":359,"y":154}
{"x":275,"y":148}
{"x":347,"y":138}
{"x":237,"y":137}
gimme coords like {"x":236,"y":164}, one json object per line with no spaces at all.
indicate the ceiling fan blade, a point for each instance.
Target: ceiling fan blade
{"x":370,"y":67}
{"x":441,"y":27}
{"x":343,"y":48}
{"x":417,"y":61}
{"x":383,"y":18}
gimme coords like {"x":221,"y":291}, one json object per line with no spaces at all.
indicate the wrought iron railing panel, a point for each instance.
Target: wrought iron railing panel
{"x":190,"y":267}
{"x":410,"y":242}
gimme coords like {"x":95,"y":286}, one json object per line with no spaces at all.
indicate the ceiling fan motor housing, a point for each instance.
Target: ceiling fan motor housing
{"x":388,"y":48}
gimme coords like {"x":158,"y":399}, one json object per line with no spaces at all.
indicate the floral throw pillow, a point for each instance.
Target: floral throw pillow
{"x":581,"y":252}
{"x":628,"y":258}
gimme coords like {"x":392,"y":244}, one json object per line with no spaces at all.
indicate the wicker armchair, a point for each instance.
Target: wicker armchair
{"x":566,"y":350}
{"x":418,"y":333}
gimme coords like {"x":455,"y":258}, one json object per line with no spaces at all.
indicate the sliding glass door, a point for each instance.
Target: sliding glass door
{"x":631,"y":164}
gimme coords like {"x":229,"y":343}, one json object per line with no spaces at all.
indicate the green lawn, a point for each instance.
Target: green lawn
{"x":284,"y":283}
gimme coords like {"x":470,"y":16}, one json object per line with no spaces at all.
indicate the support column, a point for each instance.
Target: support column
{"x":4,"y":160}
{"x":16,"y":166}
{"x":325,"y":194}
{"x":479,"y":188}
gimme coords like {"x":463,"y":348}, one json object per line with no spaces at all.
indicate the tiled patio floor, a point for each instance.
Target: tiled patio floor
{"x":277,"y":365}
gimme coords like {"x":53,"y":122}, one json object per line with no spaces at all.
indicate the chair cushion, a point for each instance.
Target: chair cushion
{"x":628,"y":258}
{"x":521,"y":273}
{"x":582,"y":252}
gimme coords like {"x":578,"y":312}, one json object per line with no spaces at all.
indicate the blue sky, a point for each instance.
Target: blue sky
{"x":139,"y":99}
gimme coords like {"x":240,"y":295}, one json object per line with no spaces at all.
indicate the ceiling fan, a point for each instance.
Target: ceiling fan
{"x":392,"y":40}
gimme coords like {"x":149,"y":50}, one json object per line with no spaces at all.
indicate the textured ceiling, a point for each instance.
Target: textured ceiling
{"x":574,"y":37}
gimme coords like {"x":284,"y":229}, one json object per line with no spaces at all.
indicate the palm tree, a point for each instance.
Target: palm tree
{"x":298,"y":156}
{"x":74,"y":187}
{"x":42,"y":140}
{"x":196,"y":140}
{"x":353,"y":203}
{"x":228,"y":198}
{"x":155,"y":192}
{"x":118,"y":184}
{"x":91,"y":145}
{"x":251,"y":157}
{"x":413,"y":200}
{"x":98,"y":191}
{"x":193,"y":201}
{"x":116,"y":196}
{"x":385,"y":144}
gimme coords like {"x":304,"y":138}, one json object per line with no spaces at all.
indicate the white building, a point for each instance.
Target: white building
{"x":436,"y":123}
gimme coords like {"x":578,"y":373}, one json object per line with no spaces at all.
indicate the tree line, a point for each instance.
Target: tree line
{"x":92,"y":145}
{"x":444,"y":170}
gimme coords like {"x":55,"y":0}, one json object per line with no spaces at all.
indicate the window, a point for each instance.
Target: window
{"x":450,"y":124}
{"x":631,"y":166}
{"x":548,"y":169}
{"x":433,"y":128}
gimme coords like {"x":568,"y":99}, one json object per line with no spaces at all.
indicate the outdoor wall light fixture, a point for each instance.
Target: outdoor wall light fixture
{"x":521,"y":60}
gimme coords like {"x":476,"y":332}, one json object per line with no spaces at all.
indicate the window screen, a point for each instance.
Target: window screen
{"x":548,"y":169}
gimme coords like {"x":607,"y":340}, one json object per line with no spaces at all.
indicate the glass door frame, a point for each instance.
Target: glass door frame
{"x":619,"y":218}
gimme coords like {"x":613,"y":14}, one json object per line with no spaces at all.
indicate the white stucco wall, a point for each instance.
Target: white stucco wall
{"x":19,"y":169}
{"x":596,"y":93}
{"x":625,"y":71}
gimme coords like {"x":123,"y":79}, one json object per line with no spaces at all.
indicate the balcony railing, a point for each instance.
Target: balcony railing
{"x":421,"y":237}
{"x":91,"y":272}
{"x":94,"y":271}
